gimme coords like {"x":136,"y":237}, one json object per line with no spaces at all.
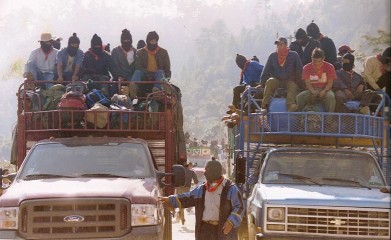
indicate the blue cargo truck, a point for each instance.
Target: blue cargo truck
{"x":313,"y":175}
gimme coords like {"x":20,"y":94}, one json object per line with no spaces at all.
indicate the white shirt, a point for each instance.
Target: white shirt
{"x":38,"y":59}
{"x":212,"y":204}
{"x":130,"y":56}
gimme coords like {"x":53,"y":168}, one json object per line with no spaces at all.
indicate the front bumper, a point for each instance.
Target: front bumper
{"x":137,"y":233}
{"x":261,"y":236}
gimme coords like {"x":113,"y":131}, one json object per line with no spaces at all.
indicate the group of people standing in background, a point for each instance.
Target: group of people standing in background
{"x":311,"y":71}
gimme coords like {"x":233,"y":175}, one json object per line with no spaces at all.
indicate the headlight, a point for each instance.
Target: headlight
{"x":275,"y":214}
{"x":9,"y":218}
{"x":144,"y":214}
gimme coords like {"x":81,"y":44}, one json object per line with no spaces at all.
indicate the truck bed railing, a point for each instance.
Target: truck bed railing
{"x":258,"y":131}
{"x":159,"y":125}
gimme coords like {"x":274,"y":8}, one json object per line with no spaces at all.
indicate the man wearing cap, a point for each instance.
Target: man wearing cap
{"x":218,"y":203}
{"x":304,"y":46}
{"x":318,"y":76}
{"x":69,"y":60}
{"x":342,"y":50}
{"x":249,"y":76}
{"x":377,"y":71}
{"x":97,"y":64}
{"x":326,"y":43}
{"x":41,"y":64}
{"x":350,"y":85}
{"x":282,"y":70}
{"x":152,"y":61}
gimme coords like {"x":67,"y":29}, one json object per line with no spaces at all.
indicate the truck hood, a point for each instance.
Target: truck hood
{"x":136,"y":190}
{"x":323,"y":196}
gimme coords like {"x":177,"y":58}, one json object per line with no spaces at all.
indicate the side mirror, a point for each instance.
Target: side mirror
{"x":240,"y":170}
{"x":177,"y":174}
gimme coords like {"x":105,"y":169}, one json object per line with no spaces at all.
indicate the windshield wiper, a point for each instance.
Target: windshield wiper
{"x":300,"y":177}
{"x":103,"y":175}
{"x":347,"y":181}
{"x":45,"y":175}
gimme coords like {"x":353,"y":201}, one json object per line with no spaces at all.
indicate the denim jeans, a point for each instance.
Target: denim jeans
{"x":141,"y":75}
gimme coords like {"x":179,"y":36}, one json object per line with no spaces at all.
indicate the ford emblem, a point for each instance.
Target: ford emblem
{"x":73,"y":219}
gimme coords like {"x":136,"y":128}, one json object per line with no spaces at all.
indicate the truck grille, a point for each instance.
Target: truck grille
{"x":74,"y":218}
{"x":336,"y":222}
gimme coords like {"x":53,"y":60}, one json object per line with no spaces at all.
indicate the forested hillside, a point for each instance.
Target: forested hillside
{"x":202,"y":38}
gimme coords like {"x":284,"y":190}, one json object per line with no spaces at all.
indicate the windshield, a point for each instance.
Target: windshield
{"x":322,"y":168}
{"x":128,"y":160}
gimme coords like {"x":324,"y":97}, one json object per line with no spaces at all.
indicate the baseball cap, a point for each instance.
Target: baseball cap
{"x":281,"y":40}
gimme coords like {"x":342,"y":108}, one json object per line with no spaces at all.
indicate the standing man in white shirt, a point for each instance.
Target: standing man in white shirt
{"x":41,"y":65}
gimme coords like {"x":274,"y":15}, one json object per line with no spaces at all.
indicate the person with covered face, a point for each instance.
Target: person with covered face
{"x":282,"y":70}
{"x":69,"y":60}
{"x":250,"y":75}
{"x":41,"y":65}
{"x":218,"y":203}
{"x":124,"y":57}
{"x":152,"y":61}
{"x":326,"y":43}
{"x":304,"y":46}
{"x":350,"y":85}
{"x":97,"y":64}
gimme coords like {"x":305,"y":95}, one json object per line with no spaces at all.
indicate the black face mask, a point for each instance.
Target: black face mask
{"x":72,"y":50}
{"x":385,"y":60}
{"x":97,"y":50}
{"x":126,"y":45}
{"x":304,"y":42}
{"x":46,"y":47}
{"x":151,"y":47}
{"x":347,"y":66}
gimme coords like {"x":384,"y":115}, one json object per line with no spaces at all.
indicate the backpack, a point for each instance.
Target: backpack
{"x":72,"y":101}
{"x":94,"y":118}
{"x":95,"y":96}
{"x":77,"y":87}
{"x":33,"y":101}
{"x":53,"y":96}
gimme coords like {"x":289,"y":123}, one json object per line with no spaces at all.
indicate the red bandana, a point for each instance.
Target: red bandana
{"x":282,"y":54}
{"x":47,"y":54}
{"x":216,"y":184}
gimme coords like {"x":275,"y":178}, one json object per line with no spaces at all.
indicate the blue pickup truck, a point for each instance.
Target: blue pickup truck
{"x":313,"y":175}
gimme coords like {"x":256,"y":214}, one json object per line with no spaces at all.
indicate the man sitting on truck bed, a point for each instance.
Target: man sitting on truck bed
{"x":350,"y":85}
{"x":319,"y":76}
{"x":97,"y":64}
{"x":283,"y":69}
{"x":41,"y":64}
{"x":152,"y":61}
